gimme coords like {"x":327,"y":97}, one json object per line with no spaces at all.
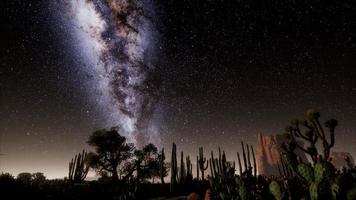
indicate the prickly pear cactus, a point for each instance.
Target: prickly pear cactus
{"x":318,"y":172}
{"x":306,"y":172}
{"x":275,"y":189}
{"x":351,"y":194}
{"x":334,"y":190}
{"x":313,"y":191}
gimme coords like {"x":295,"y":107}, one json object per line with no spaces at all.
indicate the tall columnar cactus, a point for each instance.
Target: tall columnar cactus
{"x":239,"y":161}
{"x":197,"y":167}
{"x":161,"y":166}
{"x":78,"y":169}
{"x":283,"y":169}
{"x":223,"y":181}
{"x":248,"y":156}
{"x":244,"y":155}
{"x":254,"y":161}
{"x":247,"y":159}
{"x":174,"y":171}
{"x":182,"y":172}
{"x":220,"y":167}
{"x":189,"y":165}
{"x":203,"y":163}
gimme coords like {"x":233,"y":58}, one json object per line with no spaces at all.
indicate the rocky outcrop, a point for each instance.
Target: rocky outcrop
{"x":338,"y":159}
{"x":268,"y":154}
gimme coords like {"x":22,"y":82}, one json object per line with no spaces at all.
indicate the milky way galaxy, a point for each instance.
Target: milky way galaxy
{"x":121,"y":39}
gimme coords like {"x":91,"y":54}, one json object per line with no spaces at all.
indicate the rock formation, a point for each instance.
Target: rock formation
{"x":338,"y":159}
{"x":268,"y":154}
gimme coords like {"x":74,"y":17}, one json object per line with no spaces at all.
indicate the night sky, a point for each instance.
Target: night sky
{"x":213,"y":72}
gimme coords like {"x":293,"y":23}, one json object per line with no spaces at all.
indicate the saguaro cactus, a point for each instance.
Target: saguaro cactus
{"x":78,"y":169}
{"x":203,"y":163}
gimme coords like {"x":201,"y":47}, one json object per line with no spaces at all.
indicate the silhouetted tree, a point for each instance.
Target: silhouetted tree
{"x":111,"y":150}
{"x":38,"y":177}
{"x":24,"y":177}
{"x":146,"y":163}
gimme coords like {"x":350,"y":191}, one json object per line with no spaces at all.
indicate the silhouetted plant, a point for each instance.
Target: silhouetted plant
{"x":203,"y":163}
{"x":78,"y":167}
{"x":163,"y":168}
{"x":174,"y":169}
{"x":24,"y":177}
{"x":311,"y":131}
{"x":38,"y":177}
{"x":111,"y":150}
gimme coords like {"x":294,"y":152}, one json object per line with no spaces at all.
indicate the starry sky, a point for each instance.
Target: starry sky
{"x":223,"y":72}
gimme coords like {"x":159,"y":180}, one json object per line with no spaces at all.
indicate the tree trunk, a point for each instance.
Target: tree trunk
{"x":115,"y":176}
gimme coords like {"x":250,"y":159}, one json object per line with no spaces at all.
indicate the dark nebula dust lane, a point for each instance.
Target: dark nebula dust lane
{"x":123,"y":36}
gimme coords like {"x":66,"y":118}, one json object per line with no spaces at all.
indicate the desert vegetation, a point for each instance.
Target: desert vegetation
{"x":126,"y":172}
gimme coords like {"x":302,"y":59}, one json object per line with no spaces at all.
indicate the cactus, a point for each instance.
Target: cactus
{"x":334,"y":190}
{"x":162,"y":157}
{"x":351,"y":194}
{"x":189,"y":166}
{"x":182,"y":172}
{"x":314,"y":132}
{"x":197,"y":167}
{"x":275,"y":189}
{"x":254,"y":161}
{"x":239,"y":161}
{"x":243,"y":193}
{"x":203,"y":163}
{"x":78,"y":169}
{"x":313,"y":191}
{"x":174,"y":172}
{"x":248,"y":156}
{"x":244,"y":155}
{"x":283,"y":169}
{"x":306,"y":172}
{"x":318,"y":172}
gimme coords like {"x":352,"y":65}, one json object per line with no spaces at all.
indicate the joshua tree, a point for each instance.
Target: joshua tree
{"x":111,"y":150}
{"x":311,"y":130}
